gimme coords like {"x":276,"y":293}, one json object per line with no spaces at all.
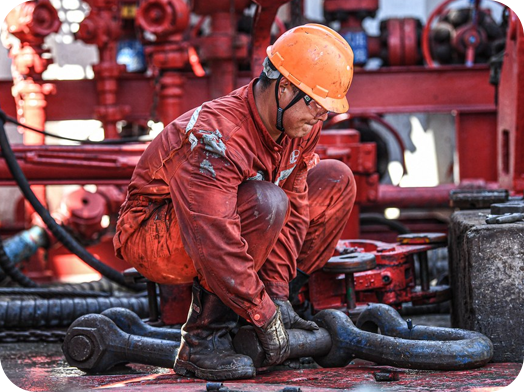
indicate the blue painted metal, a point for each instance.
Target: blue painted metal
{"x":359,"y":43}
{"x":25,"y":244}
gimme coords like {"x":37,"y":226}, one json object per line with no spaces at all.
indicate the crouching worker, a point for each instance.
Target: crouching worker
{"x":232,"y":195}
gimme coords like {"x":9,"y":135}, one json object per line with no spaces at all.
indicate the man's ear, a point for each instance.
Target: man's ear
{"x":283,"y":86}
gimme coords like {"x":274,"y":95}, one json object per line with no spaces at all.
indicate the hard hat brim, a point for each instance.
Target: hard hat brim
{"x":332,"y":105}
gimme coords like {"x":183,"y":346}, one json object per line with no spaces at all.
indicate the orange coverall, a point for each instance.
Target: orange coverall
{"x":187,"y":213}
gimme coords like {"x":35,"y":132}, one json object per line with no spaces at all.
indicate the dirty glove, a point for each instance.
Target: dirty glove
{"x":274,"y":340}
{"x":291,"y":319}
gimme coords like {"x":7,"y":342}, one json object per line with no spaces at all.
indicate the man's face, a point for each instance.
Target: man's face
{"x":301,"y":117}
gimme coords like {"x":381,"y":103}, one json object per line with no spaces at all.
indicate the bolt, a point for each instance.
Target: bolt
{"x":386,"y":376}
{"x":216,"y":387}
{"x":82,"y":348}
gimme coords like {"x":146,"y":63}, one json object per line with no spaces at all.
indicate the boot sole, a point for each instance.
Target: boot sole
{"x":187,"y":369}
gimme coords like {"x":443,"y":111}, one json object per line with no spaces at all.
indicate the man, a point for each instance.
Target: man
{"x":232,"y":193}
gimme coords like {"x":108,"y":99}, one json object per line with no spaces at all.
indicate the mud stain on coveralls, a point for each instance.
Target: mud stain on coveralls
{"x":259,"y":177}
{"x":193,"y":119}
{"x":193,"y":140}
{"x":284,"y":175}
{"x":213,"y":142}
{"x":207,"y":168}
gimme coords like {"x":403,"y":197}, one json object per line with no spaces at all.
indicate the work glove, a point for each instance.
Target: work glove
{"x":291,"y":319}
{"x":274,"y":339}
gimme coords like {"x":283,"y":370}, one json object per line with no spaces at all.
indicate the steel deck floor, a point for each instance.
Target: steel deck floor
{"x":42,"y":367}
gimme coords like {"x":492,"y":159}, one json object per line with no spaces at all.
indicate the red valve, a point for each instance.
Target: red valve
{"x":466,"y":40}
{"x":83,"y":211}
{"x":163,"y":17}
{"x":33,"y":21}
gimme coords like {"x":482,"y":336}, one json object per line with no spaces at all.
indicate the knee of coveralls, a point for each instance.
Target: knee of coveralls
{"x":331,"y":194}
{"x":263,"y":208}
{"x":157,"y":252}
{"x":155,"y":248}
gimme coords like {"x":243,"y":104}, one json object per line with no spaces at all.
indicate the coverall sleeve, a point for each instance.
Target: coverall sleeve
{"x":282,"y":262}
{"x":204,"y":191}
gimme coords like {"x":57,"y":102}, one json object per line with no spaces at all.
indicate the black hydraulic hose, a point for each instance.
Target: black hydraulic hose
{"x":58,"y":231}
{"x":12,"y":271}
{"x":102,"y":285}
{"x":46,"y":292}
{"x":61,"y":312}
{"x":367,"y":219}
{"x":413,"y":310}
{"x":105,"y":141}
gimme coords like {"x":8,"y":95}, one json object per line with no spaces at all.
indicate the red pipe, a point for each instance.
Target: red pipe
{"x":59,"y":165}
{"x":420,"y":197}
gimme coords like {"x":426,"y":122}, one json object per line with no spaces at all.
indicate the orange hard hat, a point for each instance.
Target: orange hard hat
{"x":318,"y":61}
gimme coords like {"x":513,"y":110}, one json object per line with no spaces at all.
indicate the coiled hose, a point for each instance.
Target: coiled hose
{"x":102,"y":285}
{"x":49,"y":293}
{"x":58,"y":231}
{"x":61,"y":312}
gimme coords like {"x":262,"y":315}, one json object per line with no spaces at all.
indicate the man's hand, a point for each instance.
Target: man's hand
{"x":274,"y":340}
{"x":291,"y":319}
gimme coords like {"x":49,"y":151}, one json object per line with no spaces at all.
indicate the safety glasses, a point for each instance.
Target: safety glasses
{"x":312,"y":104}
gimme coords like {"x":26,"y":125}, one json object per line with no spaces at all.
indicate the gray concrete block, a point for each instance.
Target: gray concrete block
{"x":487,"y":281}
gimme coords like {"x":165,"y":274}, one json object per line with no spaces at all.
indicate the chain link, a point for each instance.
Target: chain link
{"x":32,"y":335}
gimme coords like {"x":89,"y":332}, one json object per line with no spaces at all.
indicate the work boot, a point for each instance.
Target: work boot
{"x":206,"y":349}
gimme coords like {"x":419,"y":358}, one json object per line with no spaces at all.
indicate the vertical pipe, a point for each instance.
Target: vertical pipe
{"x":171,"y":92}
{"x":350,"y":291}
{"x":223,"y":72}
{"x":424,"y":271}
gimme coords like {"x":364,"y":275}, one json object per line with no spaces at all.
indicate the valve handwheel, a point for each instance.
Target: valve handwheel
{"x":467,"y":37}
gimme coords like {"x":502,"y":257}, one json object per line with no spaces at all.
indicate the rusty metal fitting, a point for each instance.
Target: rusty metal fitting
{"x":422,"y":238}
{"x":83,"y":211}
{"x":348,"y":264}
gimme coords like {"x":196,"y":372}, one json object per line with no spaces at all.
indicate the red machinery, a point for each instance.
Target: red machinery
{"x":189,"y":62}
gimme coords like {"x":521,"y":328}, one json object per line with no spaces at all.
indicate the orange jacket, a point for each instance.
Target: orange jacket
{"x":198,"y":161}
